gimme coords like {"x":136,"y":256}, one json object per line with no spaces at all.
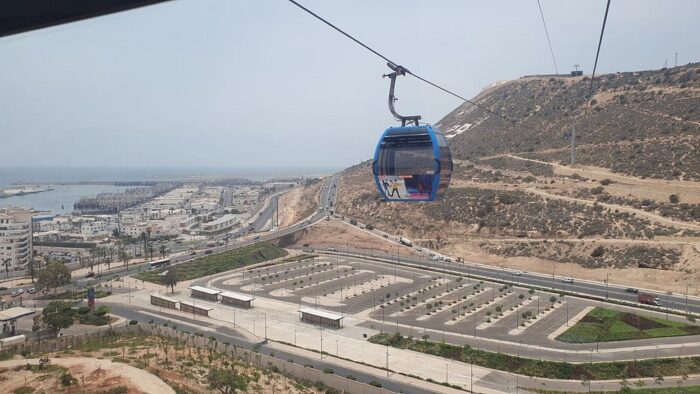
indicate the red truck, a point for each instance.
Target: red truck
{"x":649,"y":299}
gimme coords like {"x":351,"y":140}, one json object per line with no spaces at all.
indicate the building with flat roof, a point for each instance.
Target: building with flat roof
{"x":321,"y":317}
{"x":197,"y":309}
{"x":15,"y":238}
{"x":221,"y":224}
{"x":237,"y":299}
{"x":205,"y":293}
{"x":9,"y":317}
{"x":163,"y":301}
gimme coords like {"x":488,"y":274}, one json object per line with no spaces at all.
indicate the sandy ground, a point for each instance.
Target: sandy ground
{"x":98,"y":374}
{"x":333,"y":233}
{"x":298,"y":204}
{"x":675,"y":281}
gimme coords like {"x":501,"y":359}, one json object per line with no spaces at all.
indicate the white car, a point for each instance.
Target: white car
{"x":567,"y":280}
{"x":517,"y":273}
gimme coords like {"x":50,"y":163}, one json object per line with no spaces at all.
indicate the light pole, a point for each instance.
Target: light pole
{"x":387,"y":360}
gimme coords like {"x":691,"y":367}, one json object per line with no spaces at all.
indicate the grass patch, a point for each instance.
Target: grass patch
{"x":216,"y":263}
{"x":648,"y":390}
{"x":545,"y":369}
{"x":606,"y":325}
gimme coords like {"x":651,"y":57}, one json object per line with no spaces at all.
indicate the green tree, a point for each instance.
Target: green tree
{"x":56,"y":316}
{"x":53,"y":275}
{"x":227,"y":381}
{"x":170,"y":279}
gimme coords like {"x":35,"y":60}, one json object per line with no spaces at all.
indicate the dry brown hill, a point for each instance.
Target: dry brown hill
{"x":631,"y":209}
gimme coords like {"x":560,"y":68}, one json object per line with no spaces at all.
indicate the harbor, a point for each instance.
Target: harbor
{"x":23,"y":190}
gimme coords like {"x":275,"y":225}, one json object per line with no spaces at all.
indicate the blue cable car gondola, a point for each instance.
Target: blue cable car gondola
{"x":411,"y":162}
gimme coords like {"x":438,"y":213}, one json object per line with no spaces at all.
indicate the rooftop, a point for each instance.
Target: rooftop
{"x":164,"y":298}
{"x":204,"y":290}
{"x":14,"y":313}
{"x":321,"y":313}
{"x":237,"y":296}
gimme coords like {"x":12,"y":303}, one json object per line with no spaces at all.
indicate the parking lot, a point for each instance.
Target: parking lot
{"x":390,"y":297}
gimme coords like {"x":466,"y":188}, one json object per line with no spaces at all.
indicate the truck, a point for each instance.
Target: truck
{"x":648,"y":299}
{"x":405,"y":241}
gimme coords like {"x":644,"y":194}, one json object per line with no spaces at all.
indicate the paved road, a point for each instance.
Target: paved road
{"x":225,"y":334}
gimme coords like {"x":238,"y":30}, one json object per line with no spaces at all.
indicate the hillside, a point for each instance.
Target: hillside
{"x":631,"y":208}
{"x":645,"y":123}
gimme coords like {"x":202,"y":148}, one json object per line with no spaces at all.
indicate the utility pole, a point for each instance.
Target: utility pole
{"x":675,"y":64}
{"x":573,"y":140}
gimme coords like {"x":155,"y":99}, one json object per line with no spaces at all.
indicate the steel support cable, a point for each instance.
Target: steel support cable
{"x":597,"y":53}
{"x":551,"y":50}
{"x":377,"y":53}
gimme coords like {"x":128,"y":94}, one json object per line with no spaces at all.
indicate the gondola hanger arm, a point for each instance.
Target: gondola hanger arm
{"x":398,"y":70}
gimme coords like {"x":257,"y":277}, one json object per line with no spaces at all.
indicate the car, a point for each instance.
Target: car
{"x":448,"y":260}
{"x":632,"y":290}
{"x":517,"y":273}
{"x":208,"y":252}
{"x":32,"y":290}
{"x":192,"y":253}
{"x":567,"y":280}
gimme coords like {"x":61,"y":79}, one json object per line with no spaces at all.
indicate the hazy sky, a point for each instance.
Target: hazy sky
{"x":260,"y":83}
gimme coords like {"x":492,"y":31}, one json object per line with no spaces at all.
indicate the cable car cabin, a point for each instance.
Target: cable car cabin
{"x":412,"y":163}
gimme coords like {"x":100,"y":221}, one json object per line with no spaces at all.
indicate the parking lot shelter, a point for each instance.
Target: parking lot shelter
{"x":324,"y":318}
{"x":165,"y":302}
{"x":192,"y":307}
{"x":237,"y":299}
{"x":205,"y":293}
{"x":9,"y":317}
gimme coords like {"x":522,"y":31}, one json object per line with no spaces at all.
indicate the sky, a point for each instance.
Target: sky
{"x":260,"y":83}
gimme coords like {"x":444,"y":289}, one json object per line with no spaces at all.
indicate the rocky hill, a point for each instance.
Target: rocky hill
{"x":631,"y":204}
{"x":644,"y":123}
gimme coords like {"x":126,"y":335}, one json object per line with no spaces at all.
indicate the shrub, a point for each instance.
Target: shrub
{"x":375,"y":384}
{"x":68,"y":380}
{"x":674,"y":199}
{"x":133,"y":322}
{"x":350,"y":377}
{"x":605,"y":182}
{"x":597,"y":190}
{"x":328,"y":371}
{"x":599,"y":251}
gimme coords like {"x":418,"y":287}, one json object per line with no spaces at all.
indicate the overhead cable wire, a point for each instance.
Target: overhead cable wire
{"x":377,"y":53}
{"x":600,"y":42}
{"x":556,"y":68}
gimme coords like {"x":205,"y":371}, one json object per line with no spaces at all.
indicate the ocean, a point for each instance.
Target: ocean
{"x":61,"y":199}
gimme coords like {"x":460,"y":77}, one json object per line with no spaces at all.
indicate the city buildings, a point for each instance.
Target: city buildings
{"x":15,"y":238}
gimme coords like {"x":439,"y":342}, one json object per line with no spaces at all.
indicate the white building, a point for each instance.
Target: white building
{"x":15,"y":237}
{"x":221,"y":224}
